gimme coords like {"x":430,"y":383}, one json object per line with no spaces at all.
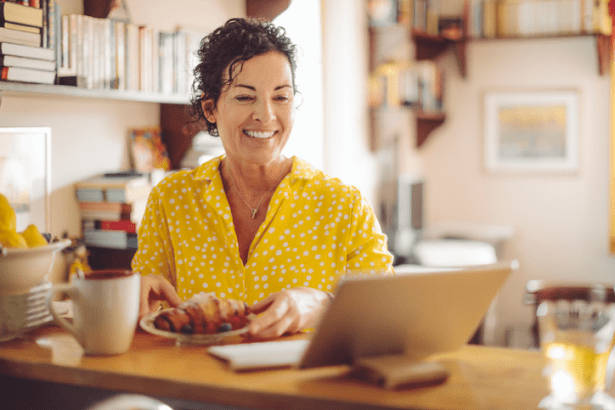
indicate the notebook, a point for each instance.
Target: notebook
{"x":416,"y":314}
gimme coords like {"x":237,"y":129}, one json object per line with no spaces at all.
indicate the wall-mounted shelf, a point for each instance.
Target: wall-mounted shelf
{"x":429,"y":47}
{"x":426,"y":122}
{"x":383,"y":120}
{"x":16,"y":89}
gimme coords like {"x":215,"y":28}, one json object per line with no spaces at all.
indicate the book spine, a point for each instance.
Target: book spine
{"x":123,"y":225}
{"x":73,"y":47}
{"x":433,"y":14}
{"x":45,"y":28}
{"x":120,"y":54}
{"x":155,"y":42}
{"x":105,"y":206}
{"x":105,"y":215}
{"x":167,"y":76}
{"x":57,"y":34}
{"x":106,"y":36}
{"x":180,"y":62}
{"x":89,"y":52}
{"x":132,"y":53}
{"x":110,"y":239}
{"x":489,"y":19}
{"x":142,"y":59}
{"x":51,"y":29}
{"x":113,"y":80}
{"x":64,"y":64}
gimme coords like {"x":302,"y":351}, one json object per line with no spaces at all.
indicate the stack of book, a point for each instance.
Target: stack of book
{"x":28,"y":41}
{"x":112,"y":206}
{"x":101,"y":53}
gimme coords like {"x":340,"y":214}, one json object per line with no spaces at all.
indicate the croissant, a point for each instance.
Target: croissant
{"x":204,"y":313}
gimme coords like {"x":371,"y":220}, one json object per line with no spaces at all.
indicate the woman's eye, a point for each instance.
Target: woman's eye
{"x":282,"y":98}
{"x":243,"y":98}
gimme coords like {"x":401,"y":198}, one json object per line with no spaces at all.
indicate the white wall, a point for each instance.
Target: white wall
{"x":347,"y":155}
{"x":560,"y":221}
{"x":302,"y":23}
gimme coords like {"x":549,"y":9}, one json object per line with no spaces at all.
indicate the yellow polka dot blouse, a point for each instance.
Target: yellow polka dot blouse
{"x":316,"y":229}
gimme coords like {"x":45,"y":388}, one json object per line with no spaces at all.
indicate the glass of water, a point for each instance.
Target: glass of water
{"x":576,"y":337}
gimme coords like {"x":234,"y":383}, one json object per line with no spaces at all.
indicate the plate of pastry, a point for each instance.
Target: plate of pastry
{"x":202,"y":320}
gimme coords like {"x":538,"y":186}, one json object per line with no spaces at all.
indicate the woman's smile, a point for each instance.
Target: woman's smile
{"x":259,"y":134}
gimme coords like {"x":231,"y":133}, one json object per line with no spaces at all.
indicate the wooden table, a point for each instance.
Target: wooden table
{"x":481,"y":377}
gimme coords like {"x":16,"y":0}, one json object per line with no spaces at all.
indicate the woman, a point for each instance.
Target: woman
{"x":253,"y":224}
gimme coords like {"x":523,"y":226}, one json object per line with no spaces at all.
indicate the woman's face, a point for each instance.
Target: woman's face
{"x":255,"y":115}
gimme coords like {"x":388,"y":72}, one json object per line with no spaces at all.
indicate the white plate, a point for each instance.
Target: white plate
{"x":147,"y":324}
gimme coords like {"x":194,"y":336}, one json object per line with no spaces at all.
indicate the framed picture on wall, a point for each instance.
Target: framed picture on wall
{"x":531,"y":131}
{"x":25,"y":174}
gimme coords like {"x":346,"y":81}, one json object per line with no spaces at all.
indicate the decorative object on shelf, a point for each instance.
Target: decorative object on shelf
{"x":25,"y":174}
{"x":266,"y":9}
{"x":110,"y":9}
{"x":531,"y":131}
{"x":118,"y":11}
{"x":382,"y":12}
{"x":147,"y":150}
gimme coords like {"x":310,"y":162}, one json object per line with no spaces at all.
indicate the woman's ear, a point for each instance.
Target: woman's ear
{"x":209,"y":110}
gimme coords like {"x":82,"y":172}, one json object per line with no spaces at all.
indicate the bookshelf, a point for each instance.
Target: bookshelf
{"x":174,"y":120}
{"x":426,"y":117}
{"x":429,"y":47}
{"x":507,"y":25}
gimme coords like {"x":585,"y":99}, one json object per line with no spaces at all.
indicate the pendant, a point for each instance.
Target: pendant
{"x":254,"y":213}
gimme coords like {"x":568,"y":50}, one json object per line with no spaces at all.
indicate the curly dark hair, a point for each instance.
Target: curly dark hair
{"x":237,"y":41}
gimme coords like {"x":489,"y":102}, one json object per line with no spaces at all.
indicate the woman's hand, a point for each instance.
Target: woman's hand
{"x":154,"y":290}
{"x":287,"y":311}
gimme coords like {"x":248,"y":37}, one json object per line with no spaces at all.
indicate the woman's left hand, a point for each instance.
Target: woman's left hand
{"x":287,"y":311}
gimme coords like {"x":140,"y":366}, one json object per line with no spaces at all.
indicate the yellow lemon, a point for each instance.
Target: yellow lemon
{"x":12,"y":239}
{"x":8,"y":219}
{"x":79,"y":265}
{"x":33,"y":236}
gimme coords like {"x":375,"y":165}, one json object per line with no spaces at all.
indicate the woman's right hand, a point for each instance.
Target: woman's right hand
{"x":154,"y":290}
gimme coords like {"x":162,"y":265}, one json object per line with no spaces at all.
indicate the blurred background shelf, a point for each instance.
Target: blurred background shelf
{"x":22,"y":89}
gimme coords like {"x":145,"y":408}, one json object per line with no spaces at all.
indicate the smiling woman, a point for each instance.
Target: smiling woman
{"x":253,"y":224}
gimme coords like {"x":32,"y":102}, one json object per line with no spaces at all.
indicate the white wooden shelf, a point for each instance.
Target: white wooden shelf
{"x":11,"y":88}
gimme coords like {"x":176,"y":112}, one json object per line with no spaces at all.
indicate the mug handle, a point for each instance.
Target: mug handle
{"x":68,"y":289}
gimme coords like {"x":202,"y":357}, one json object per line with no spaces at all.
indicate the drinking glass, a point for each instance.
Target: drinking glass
{"x":576,"y":337}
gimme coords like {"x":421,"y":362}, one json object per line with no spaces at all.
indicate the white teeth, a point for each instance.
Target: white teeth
{"x":255,"y":134}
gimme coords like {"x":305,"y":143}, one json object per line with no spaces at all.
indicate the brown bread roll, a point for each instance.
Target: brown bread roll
{"x":204,"y":313}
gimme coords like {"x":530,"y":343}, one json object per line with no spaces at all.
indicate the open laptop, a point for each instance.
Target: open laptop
{"x":417,"y":314}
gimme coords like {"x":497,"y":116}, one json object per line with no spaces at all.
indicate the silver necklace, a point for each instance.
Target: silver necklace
{"x":254,"y":210}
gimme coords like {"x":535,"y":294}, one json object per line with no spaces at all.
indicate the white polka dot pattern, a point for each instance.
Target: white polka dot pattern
{"x":315,"y":230}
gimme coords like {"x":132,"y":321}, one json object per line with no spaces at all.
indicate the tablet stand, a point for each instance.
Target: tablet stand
{"x":395,"y":371}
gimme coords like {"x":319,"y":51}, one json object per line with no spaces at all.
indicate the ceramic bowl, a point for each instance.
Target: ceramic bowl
{"x":23,"y":268}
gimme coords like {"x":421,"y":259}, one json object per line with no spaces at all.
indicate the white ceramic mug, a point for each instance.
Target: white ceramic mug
{"x":105,"y":310}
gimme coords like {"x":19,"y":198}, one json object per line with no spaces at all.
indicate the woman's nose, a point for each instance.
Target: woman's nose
{"x":263,"y":112}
